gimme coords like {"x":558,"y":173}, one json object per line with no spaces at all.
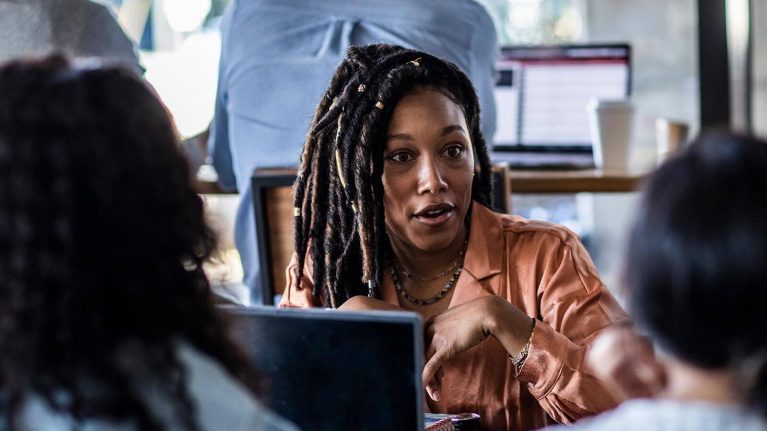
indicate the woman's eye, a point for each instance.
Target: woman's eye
{"x":401,"y":157}
{"x":454,"y":151}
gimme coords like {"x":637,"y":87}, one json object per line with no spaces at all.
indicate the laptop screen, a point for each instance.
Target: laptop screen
{"x":542,"y":91}
{"x":334,"y":370}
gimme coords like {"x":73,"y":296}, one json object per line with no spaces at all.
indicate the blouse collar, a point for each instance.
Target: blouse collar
{"x":485,"y":248}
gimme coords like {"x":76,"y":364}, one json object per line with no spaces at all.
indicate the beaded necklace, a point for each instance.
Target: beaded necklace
{"x":456,"y":267}
{"x":441,"y":294}
{"x":427,"y":301}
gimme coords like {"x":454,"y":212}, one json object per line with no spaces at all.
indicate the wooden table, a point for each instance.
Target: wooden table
{"x":574,"y":181}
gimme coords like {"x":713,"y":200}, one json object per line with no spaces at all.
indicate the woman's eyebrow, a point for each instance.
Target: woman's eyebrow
{"x":399,"y":136}
{"x":453,"y":128}
{"x":408,"y":137}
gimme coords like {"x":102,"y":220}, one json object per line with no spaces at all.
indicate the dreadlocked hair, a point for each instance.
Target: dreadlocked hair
{"x":102,"y":242}
{"x":338,"y":191}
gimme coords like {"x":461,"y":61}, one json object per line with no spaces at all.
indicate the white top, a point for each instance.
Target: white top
{"x":221,"y":403}
{"x":671,"y":415}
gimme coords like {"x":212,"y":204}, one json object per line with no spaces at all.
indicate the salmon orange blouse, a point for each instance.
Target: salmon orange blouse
{"x":544,"y":270}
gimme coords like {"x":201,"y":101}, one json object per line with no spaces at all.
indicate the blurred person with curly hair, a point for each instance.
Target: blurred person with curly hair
{"x":106,"y":315}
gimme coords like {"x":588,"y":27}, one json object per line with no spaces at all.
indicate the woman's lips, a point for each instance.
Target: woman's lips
{"x":435,"y":217}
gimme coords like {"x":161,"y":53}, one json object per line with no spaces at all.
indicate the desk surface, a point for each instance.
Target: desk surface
{"x":541,"y":181}
{"x":575,"y":181}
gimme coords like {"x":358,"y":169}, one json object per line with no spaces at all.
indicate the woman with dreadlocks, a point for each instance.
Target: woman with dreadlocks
{"x":391,"y":212}
{"x":106,"y":316}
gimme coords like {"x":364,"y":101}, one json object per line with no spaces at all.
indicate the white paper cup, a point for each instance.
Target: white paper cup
{"x":611,"y":125}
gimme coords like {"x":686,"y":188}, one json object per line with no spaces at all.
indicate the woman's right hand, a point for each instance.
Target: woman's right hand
{"x":464,"y":326}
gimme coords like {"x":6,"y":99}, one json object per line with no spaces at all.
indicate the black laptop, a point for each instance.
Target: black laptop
{"x":334,"y":370}
{"x":541,"y":95}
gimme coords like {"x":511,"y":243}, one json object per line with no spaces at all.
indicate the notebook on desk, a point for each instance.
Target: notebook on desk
{"x":541,"y":95}
{"x":334,"y":370}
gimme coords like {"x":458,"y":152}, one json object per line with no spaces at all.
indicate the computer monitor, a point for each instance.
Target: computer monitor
{"x":542,"y":91}
{"x":334,"y":370}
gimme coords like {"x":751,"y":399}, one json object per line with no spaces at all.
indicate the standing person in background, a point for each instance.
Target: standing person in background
{"x":76,"y":28}
{"x":106,"y":316}
{"x":278,"y":56}
{"x":695,"y":273}
{"x":391,"y":212}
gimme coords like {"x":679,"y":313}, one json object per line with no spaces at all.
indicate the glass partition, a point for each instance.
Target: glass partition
{"x":663,"y":36}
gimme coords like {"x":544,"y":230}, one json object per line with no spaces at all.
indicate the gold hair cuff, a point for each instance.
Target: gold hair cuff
{"x":338,"y":168}
{"x":415,"y":62}
{"x":379,"y":105}
{"x":362,"y":88}
{"x":296,"y":212}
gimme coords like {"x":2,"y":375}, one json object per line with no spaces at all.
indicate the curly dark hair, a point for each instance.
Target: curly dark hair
{"x":102,"y":242}
{"x":339,"y":190}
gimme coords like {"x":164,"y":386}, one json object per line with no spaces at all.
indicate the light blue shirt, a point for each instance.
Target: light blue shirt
{"x":277,"y":58}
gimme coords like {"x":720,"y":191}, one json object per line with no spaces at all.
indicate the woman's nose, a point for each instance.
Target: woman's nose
{"x":430,"y":179}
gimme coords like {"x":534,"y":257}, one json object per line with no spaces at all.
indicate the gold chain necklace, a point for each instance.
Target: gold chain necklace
{"x":443,"y":273}
{"x":427,"y":301}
